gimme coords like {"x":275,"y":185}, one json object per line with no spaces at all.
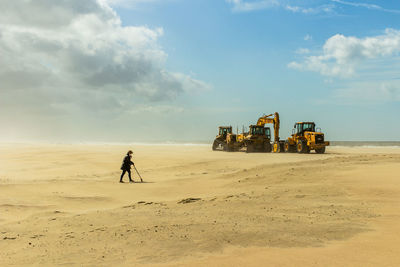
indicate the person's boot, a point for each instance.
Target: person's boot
{"x":131,"y":181}
{"x":121,"y":181}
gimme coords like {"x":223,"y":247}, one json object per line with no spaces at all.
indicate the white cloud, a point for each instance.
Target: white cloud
{"x":367,"y":5}
{"x":156,"y":109}
{"x":252,"y":5}
{"x":244,"y":6}
{"x":74,"y":60}
{"x":307,"y":37}
{"x":341,"y":55}
{"x":128,"y":3}
{"x":310,"y":10}
{"x":368,"y":67}
{"x":83,"y":45}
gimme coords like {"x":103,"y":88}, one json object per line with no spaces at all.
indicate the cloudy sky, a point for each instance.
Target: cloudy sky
{"x":173,"y":70}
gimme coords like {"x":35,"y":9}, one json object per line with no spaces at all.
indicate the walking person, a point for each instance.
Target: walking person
{"x":126,"y":166}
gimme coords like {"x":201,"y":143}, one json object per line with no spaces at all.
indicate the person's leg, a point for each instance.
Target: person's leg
{"x":130,"y":177}
{"x":122,"y":175}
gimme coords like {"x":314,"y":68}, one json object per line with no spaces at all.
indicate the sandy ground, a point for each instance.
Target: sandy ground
{"x":63,"y":205}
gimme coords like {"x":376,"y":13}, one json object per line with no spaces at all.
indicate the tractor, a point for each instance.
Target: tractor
{"x":305,"y":138}
{"x":258,"y":139}
{"x":225,"y":140}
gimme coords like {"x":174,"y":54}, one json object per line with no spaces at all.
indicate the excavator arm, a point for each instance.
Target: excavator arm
{"x":274,"y":119}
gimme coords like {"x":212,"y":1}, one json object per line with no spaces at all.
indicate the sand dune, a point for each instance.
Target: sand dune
{"x":62,"y":204}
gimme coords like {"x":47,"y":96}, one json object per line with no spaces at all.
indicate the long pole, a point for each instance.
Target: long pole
{"x":138,"y":173}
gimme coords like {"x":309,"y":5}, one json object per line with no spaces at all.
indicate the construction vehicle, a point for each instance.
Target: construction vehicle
{"x":305,"y":138}
{"x":278,"y":144}
{"x":257,"y":139}
{"x":226,"y":140}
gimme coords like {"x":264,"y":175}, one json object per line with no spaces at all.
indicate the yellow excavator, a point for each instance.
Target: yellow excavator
{"x":274,"y":119}
{"x":305,"y":137}
{"x":258,"y":139}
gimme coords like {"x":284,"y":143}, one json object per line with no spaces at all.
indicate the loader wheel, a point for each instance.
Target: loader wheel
{"x":302,"y":147}
{"x":267,"y":147}
{"x":288,"y":147}
{"x":215,"y":145}
{"x":320,"y":150}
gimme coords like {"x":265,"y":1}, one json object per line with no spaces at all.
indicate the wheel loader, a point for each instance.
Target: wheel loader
{"x":226,"y":140}
{"x":305,"y":138}
{"x":258,"y":139}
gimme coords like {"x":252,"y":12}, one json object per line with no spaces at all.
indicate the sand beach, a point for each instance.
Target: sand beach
{"x":63,"y":205}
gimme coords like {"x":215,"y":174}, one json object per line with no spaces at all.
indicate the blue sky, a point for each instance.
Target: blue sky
{"x":244,"y":55}
{"x":221,"y":62}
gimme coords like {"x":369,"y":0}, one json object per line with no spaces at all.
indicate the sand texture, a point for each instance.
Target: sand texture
{"x":63,"y":205}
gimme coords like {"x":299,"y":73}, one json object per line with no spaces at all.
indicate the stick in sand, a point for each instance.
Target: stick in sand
{"x":138,"y":173}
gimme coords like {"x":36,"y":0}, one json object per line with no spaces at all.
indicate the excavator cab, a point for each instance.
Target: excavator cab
{"x":268,"y":132}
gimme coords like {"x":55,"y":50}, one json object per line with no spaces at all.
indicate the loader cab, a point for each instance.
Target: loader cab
{"x":301,"y":127}
{"x":224,"y":131}
{"x":260,"y":131}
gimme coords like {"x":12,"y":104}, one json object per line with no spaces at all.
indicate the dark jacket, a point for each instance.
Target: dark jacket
{"x":126,"y":164}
